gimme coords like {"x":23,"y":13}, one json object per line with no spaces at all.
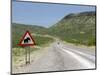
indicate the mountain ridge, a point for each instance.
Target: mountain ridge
{"x":78,"y":28}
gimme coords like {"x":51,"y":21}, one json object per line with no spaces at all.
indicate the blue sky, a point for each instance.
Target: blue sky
{"x":43,"y":14}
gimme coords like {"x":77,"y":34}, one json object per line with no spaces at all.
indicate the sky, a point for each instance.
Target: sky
{"x":43,"y":14}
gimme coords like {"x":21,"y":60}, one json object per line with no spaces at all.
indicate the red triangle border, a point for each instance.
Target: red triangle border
{"x":20,"y":43}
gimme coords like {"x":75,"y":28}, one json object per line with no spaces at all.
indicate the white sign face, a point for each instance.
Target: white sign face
{"x":27,"y":40}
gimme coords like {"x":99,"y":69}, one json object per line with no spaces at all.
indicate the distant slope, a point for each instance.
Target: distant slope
{"x":18,"y":31}
{"x":76,"y":28}
{"x":32,"y":28}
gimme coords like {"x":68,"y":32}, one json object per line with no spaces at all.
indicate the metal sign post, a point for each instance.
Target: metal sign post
{"x":27,"y":55}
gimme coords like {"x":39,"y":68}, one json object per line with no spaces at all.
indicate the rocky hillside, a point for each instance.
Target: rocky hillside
{"x":76,"y":28}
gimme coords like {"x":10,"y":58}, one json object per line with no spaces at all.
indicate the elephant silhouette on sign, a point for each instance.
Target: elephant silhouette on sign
{"x":26,"y":40}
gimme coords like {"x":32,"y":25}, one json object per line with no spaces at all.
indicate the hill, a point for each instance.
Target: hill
{"x":33,"y":28}
{"x":77,"y":28}
{"x":18,"y":31}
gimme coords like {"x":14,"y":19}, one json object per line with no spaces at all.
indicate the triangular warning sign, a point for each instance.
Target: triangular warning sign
{"x":27,"y":40}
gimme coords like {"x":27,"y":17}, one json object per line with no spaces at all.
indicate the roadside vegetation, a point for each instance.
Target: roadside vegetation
{"x":18,"y":30}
